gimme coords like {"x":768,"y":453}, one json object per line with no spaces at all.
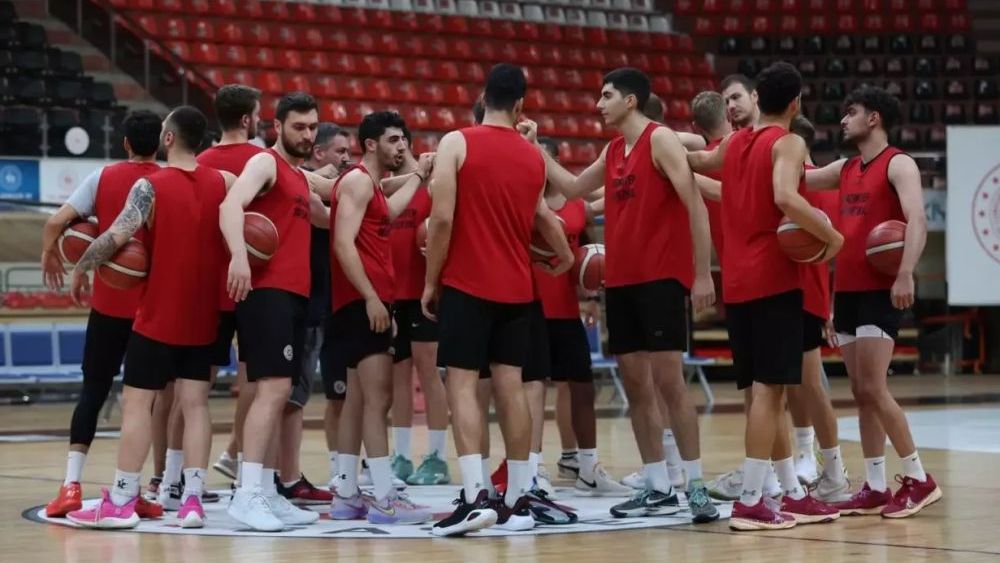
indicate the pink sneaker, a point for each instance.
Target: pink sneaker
{"x":106,"y":515}
{"x":191,"y":514}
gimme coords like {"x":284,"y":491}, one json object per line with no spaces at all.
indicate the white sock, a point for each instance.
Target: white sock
{"x":670,"y":450}
{"x":568,"y":455}
{"x":437,"y":441}
{"x":347,"y":464}
{"x":289,"y":484}
{"x":267,"y":484}
{"x":771,"y":480}
{"x":74,"y":467}
{"x":588,"y":463}
{"x":754,"y":473}
{"x":401,"y":440}
{"x":125,"y":487}
{"x":239,"y":468}
{"x":833,"y":464}
{"x":913,"y":468}
{"x":333,"y":465}
{"x":487,"y":482}
{"x":225,"y":456}
{"x":785,"y":468}
{"x":534,"y":459}
{"x":804,"y":438}
{"x":473,"y":468}
{"x":250,"y":474}
{"x":693,"y":469}
{"x":172,"y":468}
{"x":875,"y":473}
{"x":194,"y":483}
{"x":657,"y":478}
{"x":381,"y":468}
{"x":518,"y":480}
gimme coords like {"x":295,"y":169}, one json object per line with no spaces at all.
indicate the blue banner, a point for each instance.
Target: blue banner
{"x":19,"y":179}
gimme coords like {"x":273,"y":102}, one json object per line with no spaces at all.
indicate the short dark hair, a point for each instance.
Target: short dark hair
{"x":653,"y":108}
{"x":142,"y":129}
{"x":232,"y":102}
{"x":777,"y":86}
{"x":299,"y":102}
{"x":804,"y":128}
{"x":505,"y":85}
{"x":875,"y":99}
{"x":408,"y":136}
{"x":325,"y":133}
{"x":189,"y":124}
{"x":478,"y":110}
{"x":737,"y":79}
{"x":375,"y":124}
{"x":549,"y":144}
{"x":630,"y":81}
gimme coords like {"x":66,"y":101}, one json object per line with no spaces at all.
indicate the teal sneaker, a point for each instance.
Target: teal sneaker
{"x":432,"y":471}
{"x":702,"y":508}
{"x":402,"y":468}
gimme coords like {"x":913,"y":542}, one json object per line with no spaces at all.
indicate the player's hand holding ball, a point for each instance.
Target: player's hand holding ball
{"x":378,"y":315}
{"x":238,"y":282}
{"x":702,"y":293}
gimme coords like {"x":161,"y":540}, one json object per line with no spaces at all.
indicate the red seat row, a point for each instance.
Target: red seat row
{"x":822,"y":24}
{"x":779,"y":7}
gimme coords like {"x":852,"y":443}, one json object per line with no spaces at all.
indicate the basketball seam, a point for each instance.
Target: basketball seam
{"x":123,"y":270}
{"x":884,"y":247}
{"x":74,"y":234}
{"x":258,"y":254}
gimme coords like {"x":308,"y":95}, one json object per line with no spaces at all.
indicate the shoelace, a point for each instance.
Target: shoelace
{"x":906,"y":484}
{"x":699,"y":497}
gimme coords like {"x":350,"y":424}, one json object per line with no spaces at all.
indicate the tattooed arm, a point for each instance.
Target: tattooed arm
{"x":138,"y":209}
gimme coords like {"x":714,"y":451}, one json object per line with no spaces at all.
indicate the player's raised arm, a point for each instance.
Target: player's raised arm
{"x":703,"y":161}
{"x":789,"y":155}
{"x":450,"y":154}
{"x":825,"y":178}
{"x":404,"y":193}
{"x":905,"y":177}
{"x":573,"y":186}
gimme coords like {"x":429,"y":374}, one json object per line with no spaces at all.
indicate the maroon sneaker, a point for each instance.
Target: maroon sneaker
{"x":759,"y":517}
{"x":808,"y":510}
{"x":864,"y":502}
{"x":304,"y":493}
{"x":912,"y":497}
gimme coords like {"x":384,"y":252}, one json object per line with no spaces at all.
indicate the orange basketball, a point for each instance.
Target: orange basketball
{"x":884,"y":246}
{"x":540,"y":250}
{"x":799,"y":244}
{"x":127,"y":268}
{"x":588,"y":269}
{"x":421,"y":236}
{"x":75,"y":239}
{"x":261,"y":238}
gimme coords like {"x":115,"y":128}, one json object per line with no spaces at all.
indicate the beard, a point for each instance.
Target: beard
{"x":301,"y":150}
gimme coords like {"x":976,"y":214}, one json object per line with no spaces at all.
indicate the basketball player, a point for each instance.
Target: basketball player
{"x":881,"y":184}
{"x":415,"y":346}
{"x":659,"y":247}
{"x":176,"y":320}
{"x":487,"y":195}
{"x":271,"y":303}
{"x":740,"y":96}
{"x":762,"y":169}
{"x":102,"y":194}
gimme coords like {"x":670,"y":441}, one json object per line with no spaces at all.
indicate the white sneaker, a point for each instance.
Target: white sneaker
{"x":543,"y":482}
{"x":365,"y":478}
{"x":829,"y":491}
{"x":635,"y":480}
{"x":568,"y":468}
{"x":805,"y":468}
{"x":250,"y":508}
{"x":727,"y":486}
{"x":603,"y":485}
{"x":169,"y":496}
{"x":227,"y":466}
{"x":288,"y":513}
{"x":676,"y":474}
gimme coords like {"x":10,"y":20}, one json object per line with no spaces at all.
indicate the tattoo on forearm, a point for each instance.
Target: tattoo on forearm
{"x":136,"y":211}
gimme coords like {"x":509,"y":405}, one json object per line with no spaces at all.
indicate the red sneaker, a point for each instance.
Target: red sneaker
{"x":303,"y":492}
{"x":499,"y":478}
{"x":912,"y":497}
{"x":809,"y":510}
{"x":759,"y":517}
{"x":70,"y":498}
{"x":148,"y":509}
{"x":864,"y":502}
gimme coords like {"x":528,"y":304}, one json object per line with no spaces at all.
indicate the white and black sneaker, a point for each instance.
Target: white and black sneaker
{"x":170,"y":496}
{"x":467,"y":517}
{"x":568,"y":466}
{"x":647,"y":503}
{"x":602,"y":485}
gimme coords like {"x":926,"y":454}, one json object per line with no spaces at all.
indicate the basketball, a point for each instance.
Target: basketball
{"x":588,"y":269}
{"x":797,"y":243}
{"x":261,"y":238}
{"x":127,"y":268}
{"x":540,"y":250}
{"x":75,"y":240}
{"x":884,"y":246}
{"x":421,"y":237}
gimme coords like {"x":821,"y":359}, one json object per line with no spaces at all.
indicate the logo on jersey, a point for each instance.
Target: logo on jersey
{"x":986,"y":213}
{"x":288,"y":352}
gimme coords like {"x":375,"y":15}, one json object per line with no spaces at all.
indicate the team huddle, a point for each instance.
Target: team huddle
{"x":351,"y":283}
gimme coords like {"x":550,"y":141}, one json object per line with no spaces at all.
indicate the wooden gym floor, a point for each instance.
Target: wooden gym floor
{"x":962,"y":527}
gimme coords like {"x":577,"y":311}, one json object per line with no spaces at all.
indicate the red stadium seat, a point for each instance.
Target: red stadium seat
{"x":871,"y":6}
{"x":203,"y":31}
{"x":355,"y":89}
{"x":663,"y":86}
{"x":422,"y":69}
{"x":453,"y":25}
{"x":902,"y":23}
{"x":958,"y":23}
{"x":333,"y":111}
{"x":535,"y":101}
{"x":325,"y":86}
{"x":363,"y":42}
{"x":582,"y":103}
{"x":473,"y":72}
{"x":585,"y":153}
{"x":416,"y":118}
{"x":301,"y":12}
{"x":481,"y":27}
{"x":206,"y":53}
{"x":382,"y":19}
{"x":183,"y":51}
{"x":874,"y":23}
{"x":679,"y":110}
{"x":249,"y":9}
{"x":425,"y":143}
{"x":845,"y":6}
{"x":551,"y":33}
{"x":712,"y":6}
{"x":684,"y":88}
{"x":317,"y":61}
{"x":289,"y":59}
{"x":566,"y":155}
{"x":660,"y":64}
{"x":663,"y":42}
{"x":683,"y":66}
{"x":559,"y":101}
{"x":591,"y":127}
{"x":313,"y":39}
{"x":355,"y":18}
{"x":442,"y":119}
{"x":214,"y":75}
{"x":596,"y":36}
{"x":595,"y":59}
{"x":819,"y":23}
{"x":275,"y":11}
{"x":592,"y":80}
{"x":686,"y":7}
{"x":286,"y":35}
{"x":431,"y":93}
{"x":446,"y":71}
{"x":296,"y":82}
{"x":738,"y":7}
{"x":567,"y":126}
{"x":930,"y":23}
{"x":684,"y":43}
{"x":616,"y":58}
{"x":790,"y":25}
{"x":343,"y":64}
{"x":504,"y":29}
{"x":704,"y":26}
{"x":733,"y":25}
{"x":170,"y":5}
{"x":148,"y":23}
{"x":145,"y":5}
{"x":258,"y":34}
{"x":174,"y":28}
{"x":574,"y":35}
{"x":846,"y":23}
{"x":380,"y":90}
{"x":269,"y":82}
{"x":457,"y":95}
{"x":900,"y":5}
{"x":262,"y":57}
{"x":329,"y":14}
{"x":369,"y":65}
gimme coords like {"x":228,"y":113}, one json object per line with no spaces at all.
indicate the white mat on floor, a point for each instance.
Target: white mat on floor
{"x":963,"y":429}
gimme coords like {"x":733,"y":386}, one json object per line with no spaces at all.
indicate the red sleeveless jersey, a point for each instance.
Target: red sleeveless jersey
{"x":498,"y":189}
{"x":753,"y":263}
{"x":866,"y":199}
{"x":286,"y":204}
{"x":112,"y":192}
{"x":646,"y":227}
{"x":185,"y":248}
{"x":558,"y":293}
{"x":816,"y":277}
{"x":715,"y":207}
{"x":230,"y":158}
{"x":373,"y":246}
{"x":408,"y":264}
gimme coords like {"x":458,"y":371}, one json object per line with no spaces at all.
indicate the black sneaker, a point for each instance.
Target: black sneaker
{"x":647,"y":503}
{"x":517,"y":518}
{"x":467,"y":517}
{"x":544,"y":511}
